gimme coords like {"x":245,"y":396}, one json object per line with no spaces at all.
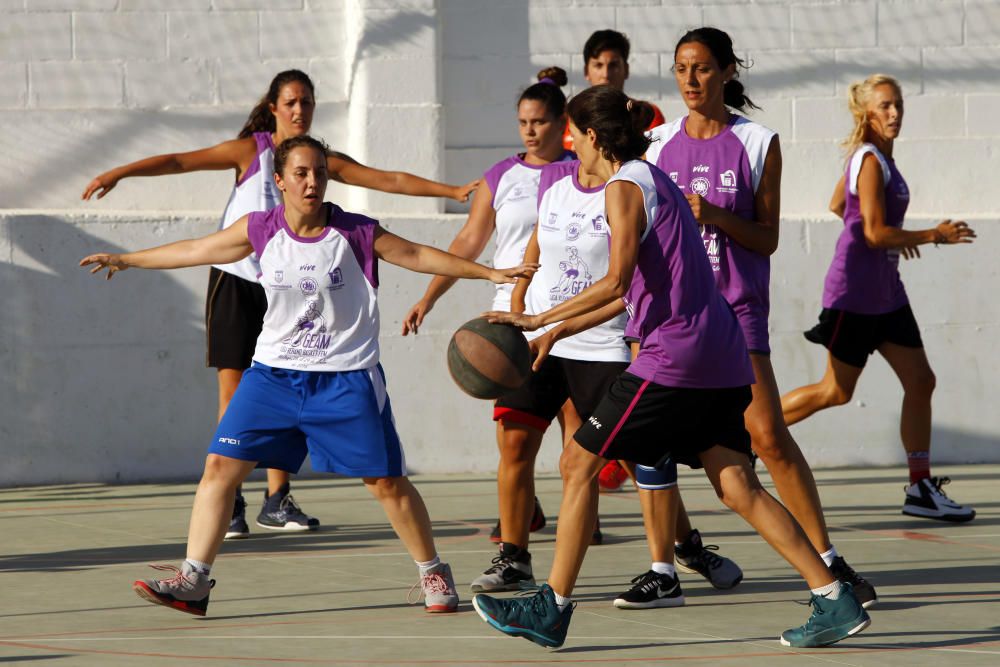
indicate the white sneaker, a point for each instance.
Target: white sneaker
{"x":438,"y":590}
{"x":926,"y":499}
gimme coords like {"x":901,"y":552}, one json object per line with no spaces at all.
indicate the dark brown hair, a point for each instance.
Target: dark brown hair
{"x":288,"y":145}
{"x":548,"y":91}
{"x":721,"y":45}
{"x":605,"y":40}
{"x":261,"y":119}
{"x":619,"y":122}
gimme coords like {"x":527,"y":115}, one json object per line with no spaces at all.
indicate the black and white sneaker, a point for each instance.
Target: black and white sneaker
{"x":695,"y":557}
{"x":281,"y":512}
{"x":510,"y":571}
{"x":926,"y":499}
{"x":652,"y":590}
{"x":238,"y":528}
{"x":863,"y":590}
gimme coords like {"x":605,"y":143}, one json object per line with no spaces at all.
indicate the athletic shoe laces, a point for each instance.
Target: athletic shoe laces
{"x":842,"y":570}
{"x":179,"y":580}
{"x":937,"y":483}
{"x":430,"y":584}
{"x":290,"y":507}
{"x":707,"y":557}
{"x":500,"y":563}
{"x":647,"y":582}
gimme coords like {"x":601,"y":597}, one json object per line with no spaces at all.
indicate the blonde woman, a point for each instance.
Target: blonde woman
{"x":865,"y":307}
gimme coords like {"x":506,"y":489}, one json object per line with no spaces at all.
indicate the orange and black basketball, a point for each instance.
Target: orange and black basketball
{"x":488,"y":360}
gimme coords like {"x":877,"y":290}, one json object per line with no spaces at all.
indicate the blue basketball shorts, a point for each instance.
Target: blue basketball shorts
{"x":343,"y":420}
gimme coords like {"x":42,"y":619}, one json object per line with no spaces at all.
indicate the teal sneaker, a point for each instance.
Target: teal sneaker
{"x":536,"y":618}
{"x":831,"y":621}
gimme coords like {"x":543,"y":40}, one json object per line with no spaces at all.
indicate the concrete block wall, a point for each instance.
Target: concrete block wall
{"x":106,"y":382}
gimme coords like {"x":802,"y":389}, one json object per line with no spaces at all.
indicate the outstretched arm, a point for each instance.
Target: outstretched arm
{"x":223,"y":247}
{"x":425,"y":259}
{"x":236,"y":154}
{"x":469,"y":243}
{"x":761,"y":233}
{"x":345,"y":169}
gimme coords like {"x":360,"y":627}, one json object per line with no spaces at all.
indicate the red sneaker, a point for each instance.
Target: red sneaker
{"x":612,"y":476}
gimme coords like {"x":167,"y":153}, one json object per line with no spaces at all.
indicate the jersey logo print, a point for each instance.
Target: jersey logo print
{"x":700,"y":186}
{"x":336,"y":279}
{"x":575,"y":276}
{"x":700,"y":169}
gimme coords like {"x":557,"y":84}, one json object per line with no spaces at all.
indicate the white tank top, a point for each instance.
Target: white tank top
{"x":255,"y":191}
{"x":574,"y":243}
{"x":321,"y":292}
{"x":514,"y":185}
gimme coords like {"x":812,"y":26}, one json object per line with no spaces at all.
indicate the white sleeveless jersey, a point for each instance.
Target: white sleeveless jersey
{"x":255,"y":191}
{"x":514,"y":185}
{"x":575,"y":250}
{"x":321,"y":292}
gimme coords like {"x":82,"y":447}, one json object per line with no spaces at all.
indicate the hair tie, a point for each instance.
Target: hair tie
{"x":628,"y":105}
{"x":547,"y":80}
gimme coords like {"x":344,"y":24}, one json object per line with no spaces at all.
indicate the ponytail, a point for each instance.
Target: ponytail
{"x":619,"y":122}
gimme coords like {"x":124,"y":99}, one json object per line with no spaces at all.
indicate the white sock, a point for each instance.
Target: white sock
{"x":199,"y":567}
{"x":828,"y":556}
{"x":427,"y":566}
{"x":831,"y":591}
{"x":562,"y":602}
{"x":664,"y":568}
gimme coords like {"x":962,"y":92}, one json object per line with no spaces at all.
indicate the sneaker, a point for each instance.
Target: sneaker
{"x":863,"y":590}
{"x":831,"y":621}
{"x":186,"y":591}
{"x":537,"y":523}
{"x":926,"y":499}
{"x":238,"y":528}
{"x":511,"y":571}
{"x":694,"y":557}
{"x":437,"y":587}
{"x":536,"y":618}
{"x":612,"y":476}
{"x":652,"y":590}
{"x":281,"y":512}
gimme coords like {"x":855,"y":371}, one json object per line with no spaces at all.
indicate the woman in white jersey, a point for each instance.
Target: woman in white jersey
{"x":235,"y":304}
{"x":321,"y":392}
{"x":729,"y":169}
{"x":865,"y":307}
{"x":683,"y":397}
{"x":506,"y":202}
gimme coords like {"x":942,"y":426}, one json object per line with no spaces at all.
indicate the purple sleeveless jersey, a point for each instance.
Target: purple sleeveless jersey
{"x":862,"y":279}
{"x":726,"y":170}
{"x":688,"y":334}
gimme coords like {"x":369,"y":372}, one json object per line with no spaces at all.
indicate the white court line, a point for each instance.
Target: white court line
{"x":185,"y":637}
{"x":714,"y":638}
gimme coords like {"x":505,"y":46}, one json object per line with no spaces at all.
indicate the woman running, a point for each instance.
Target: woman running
{"x":321,"y":393}
{"x":729,"y":169}
{"x":235,"y":305}
{"x":683,"y":397}
{"x":865,"y":307}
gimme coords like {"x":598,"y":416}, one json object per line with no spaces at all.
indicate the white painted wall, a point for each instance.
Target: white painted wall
{"x":106,"y":381}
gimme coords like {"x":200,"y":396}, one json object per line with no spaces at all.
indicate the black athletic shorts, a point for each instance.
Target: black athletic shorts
{"x":851,"y":337}
{"x":649,"y":424}
{"x":234,"y":316}
{"x":538,"y":402}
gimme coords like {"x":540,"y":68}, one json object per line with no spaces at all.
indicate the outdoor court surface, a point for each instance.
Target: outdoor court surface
{"x":338,"y":596}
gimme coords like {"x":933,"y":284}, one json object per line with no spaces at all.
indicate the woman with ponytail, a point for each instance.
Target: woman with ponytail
{"x":235,"y":305}
{"x":865,"y":307}
{"x":729,"y":169}
{"x":682,"y":398}
{"x":506,"y":203}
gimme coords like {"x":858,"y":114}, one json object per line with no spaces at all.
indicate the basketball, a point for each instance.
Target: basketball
{"x":488,"y":360}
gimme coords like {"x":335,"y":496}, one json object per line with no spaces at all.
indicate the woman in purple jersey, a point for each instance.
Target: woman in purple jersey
{"x":865,"y":308}
{"x":235,"y":303}
{"x":682,"y":398}
{"x":329,"y":403}
{"x":729,"y":170}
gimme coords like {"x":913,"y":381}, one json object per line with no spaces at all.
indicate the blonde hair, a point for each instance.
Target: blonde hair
{"x":858,"y":96}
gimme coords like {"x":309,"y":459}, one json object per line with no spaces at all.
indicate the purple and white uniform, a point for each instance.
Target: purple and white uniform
{"x":255,"y":191}
{"x":321,"y":308}
{"x":574,"y":244}
{"x":514,"y":186}
{"x":862,"y":279}
{"x":687,"y":333}
{"x":726,"y":170}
